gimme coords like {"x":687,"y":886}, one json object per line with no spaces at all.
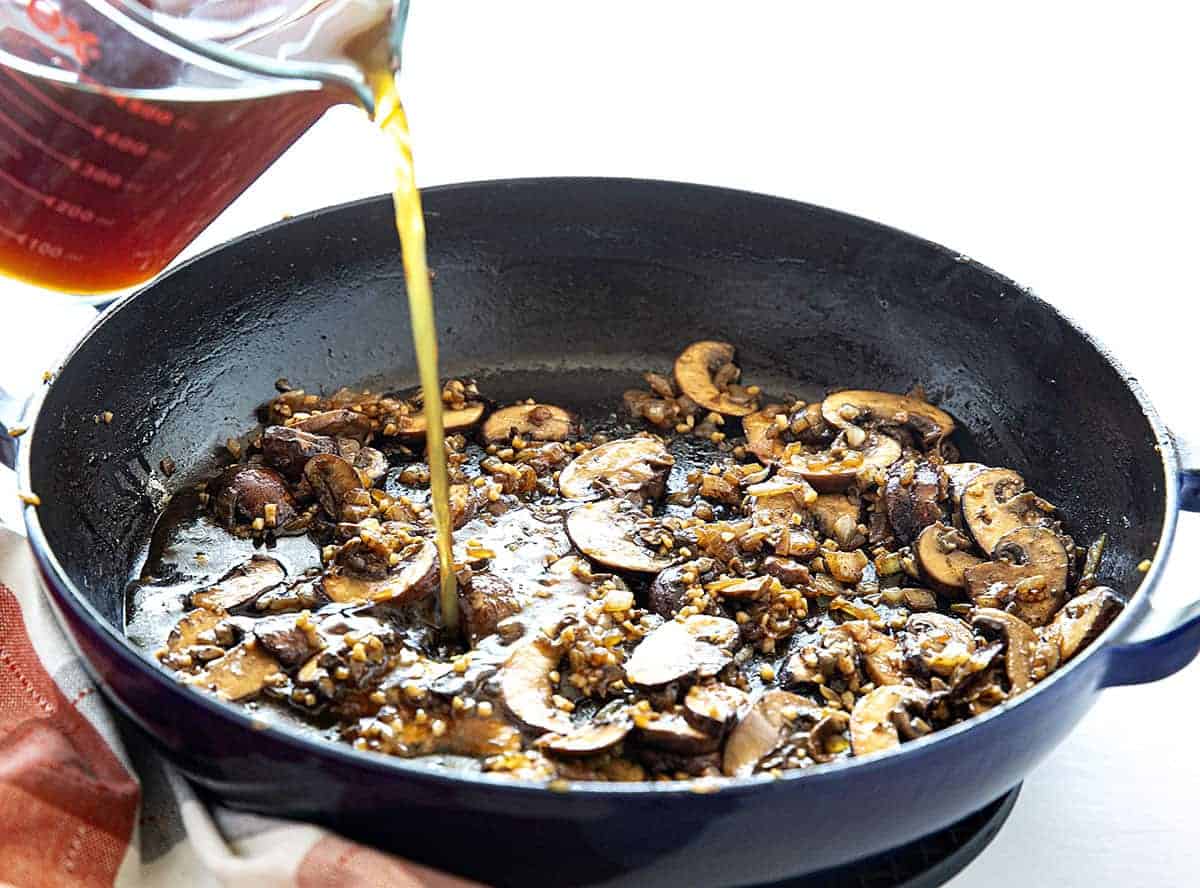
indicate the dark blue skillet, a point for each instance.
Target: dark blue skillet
{"x":597,"y":280}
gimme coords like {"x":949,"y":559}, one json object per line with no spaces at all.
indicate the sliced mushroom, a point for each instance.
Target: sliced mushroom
{"x":1029,"y":580}
{"x":960,"y":475}
{"x":241,"y":673}
{"x":698,"y":645}
{"x":534,"y":422}
{"x":943,"y":556}
{"x":705,"y":373}
{"x":287,"y":449}
{"x":825,"y":740}
{"x":846,"y":567}
{"x":872,"y":728}
{"x":241,"y":585}
{"x":938,"y":643}
{"x":371,"y":466}
{"x":1020,"y":644}
{"x":1082,"y":619}
{"x":714,"y":707}
{"x":834,"y":512}
{"x":290,"y":639}
{"x":994,"y":503}
{"x":412,"y":427}
{"x":413,"y":578}
{"x":485,"y":601}
{"x":789,"y":572}
{"x":587,"y":740}
{"x":245,"y":491}
{"x":828,"y":473}
{"x":769,"y":723}
{"x":673,"y":733}
{"x":880,"y":653}
{"x":526,"y":688}
{"x":332,"y":479}
{"x":913,"y":494}
{"x":340,"y":423}
{"x":763,"y":432}
{"x":869,"y":409}
{"x":606,"y":532}
{"x":628,"y":466}
{"x":668,"y":592}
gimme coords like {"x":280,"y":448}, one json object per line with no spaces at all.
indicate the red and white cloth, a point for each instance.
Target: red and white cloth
{"x":82,"y":804}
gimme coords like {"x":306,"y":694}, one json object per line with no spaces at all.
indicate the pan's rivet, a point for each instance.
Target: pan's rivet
{"x":1144,"y":566}
{"x":29,"y":498}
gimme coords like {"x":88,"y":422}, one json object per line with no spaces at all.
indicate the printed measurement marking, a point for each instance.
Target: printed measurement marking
{"x":65,"y":113}
{"x":21,"y":186}
{"x":15,"y":98}
{"x":73,"y":211}
{"x":36,"y":245}
{"x":113,"y":138}
{"x":84,"y":169}
{"x":71,"y":162}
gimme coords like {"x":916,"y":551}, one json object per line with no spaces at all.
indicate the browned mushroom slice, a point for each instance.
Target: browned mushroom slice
{"x":827,"y":472}
{"x":371,"y":466}
{"x":698,"y":645}
{"x":194,"y":629}
{"x":846,"y":567}
{"x":627,"y":466}
{"x":249,"y":492}
{"x":1029,"y":579}
{"x":705,"y":372}
{"x":485,"y":601}
{"x":668,"y":592}
{"x":960,"y":475}
{"x":763,"y":432}
{"x":332,"y":479}
{"x":938,"y":642}
{"x":826,"y":740}
{"x":836,"y":513}
{"x":768,"y":723}
{"x":287,"y":449}
{"x":534,"y":422}
{"x":994,"y":503}
{"x":673,"y":733}
{"x":1020,"y":644}
{"x":943,"y":555}
{"x":413,"y":578}
{"x":714,"y":707}
{"x":606,"y":532}
{"x":880,"y":653}
{"x":872,"y":728}
{"x":241,"y":673}
{"x":586,"y":740}
{"x":340,"y":423}
{"x":289,"y":638}
{"x":913,"y":495}
{"x":241,"y":585}
{"x":412,"y":428}
{"x":526,"y":688}
{"x":868,"y":409}
{"x":1082,"y":619}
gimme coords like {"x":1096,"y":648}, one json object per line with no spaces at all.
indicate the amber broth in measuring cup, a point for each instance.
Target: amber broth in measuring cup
{"x":101,"y":188}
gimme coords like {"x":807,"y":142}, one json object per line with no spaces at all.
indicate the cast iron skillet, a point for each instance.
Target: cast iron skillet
{"x":567,"y":289}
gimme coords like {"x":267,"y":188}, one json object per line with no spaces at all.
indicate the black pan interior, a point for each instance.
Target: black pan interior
{"x":595,"y":280}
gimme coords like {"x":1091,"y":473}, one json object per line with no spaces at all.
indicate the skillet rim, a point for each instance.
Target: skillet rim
{"x":412,"y":768}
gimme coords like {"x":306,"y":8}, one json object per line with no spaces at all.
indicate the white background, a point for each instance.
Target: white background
{"x":1056,"y":142}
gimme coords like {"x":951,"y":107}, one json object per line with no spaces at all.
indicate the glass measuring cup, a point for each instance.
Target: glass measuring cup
{"x":125,"y":129}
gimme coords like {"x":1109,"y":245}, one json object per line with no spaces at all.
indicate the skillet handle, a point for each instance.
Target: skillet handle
{"x":1166,"y":641}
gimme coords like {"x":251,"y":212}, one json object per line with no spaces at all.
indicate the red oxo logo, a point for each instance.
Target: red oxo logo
{"x":64,"y":30}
